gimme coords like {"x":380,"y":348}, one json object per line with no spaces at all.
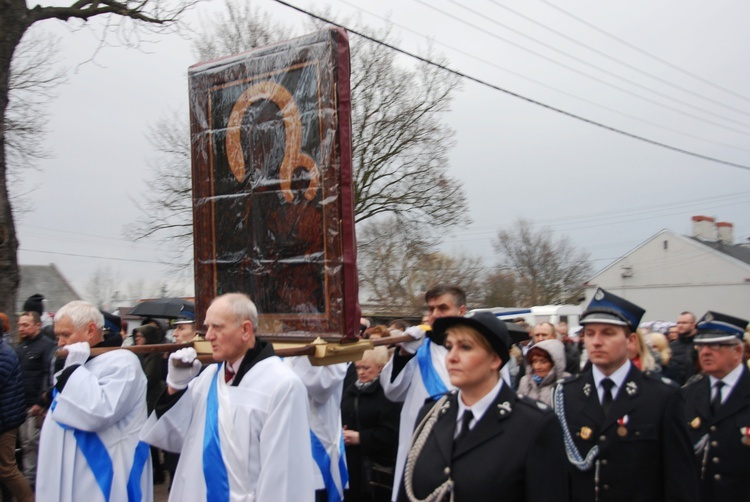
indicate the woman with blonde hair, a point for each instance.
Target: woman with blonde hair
{"x":455,"y":447}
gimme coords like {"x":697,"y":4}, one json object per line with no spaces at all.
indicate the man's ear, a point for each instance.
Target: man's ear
{"x":248,"y":332}
{"x":91,"y":331}
{"x":462,"y":310}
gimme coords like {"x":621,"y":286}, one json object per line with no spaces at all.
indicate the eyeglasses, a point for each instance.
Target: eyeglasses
{"x":713,"y":346}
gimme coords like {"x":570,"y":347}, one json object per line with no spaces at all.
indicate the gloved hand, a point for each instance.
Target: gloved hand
{"x":183,"y":367}
{"x":417,"y":334}
{"x":78,"y":353}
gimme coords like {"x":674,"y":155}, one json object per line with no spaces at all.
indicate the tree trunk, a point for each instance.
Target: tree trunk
{"x":14,"y":20}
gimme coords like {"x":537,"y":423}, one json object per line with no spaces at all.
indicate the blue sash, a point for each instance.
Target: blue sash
{"x":100,"y":463}
{"x":342,"y":463}
{"x":214,"y":469}
{"x":432,"y":381}
{"x":94,"y":452}
{"x":321,"y":457}
{"x":96,"y":455}
{"x":136,"y":472}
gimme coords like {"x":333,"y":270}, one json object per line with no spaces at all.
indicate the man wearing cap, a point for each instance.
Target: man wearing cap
{"x":625,"y":436}
{"x":482,"y":442}
{"x":184,"y":328}
{"x":717,"y":408}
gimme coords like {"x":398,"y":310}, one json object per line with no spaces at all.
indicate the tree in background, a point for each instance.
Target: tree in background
{"x":399,"y":144}
{"x":34,"y":75}
{"x":544,"y":270}
{"x":125,"y":18}
{"x":398,"y":261}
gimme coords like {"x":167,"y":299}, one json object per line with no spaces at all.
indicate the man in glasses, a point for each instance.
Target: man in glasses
{"x":717,"y":404}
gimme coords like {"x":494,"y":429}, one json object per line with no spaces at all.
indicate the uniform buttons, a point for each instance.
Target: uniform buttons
{"x":637,"y":433}
{"x":717,"y":477}
{"x":606,"y":487}
{"x":715,"y":460}
{"x":712,"y":428}
{"x":714,"y":444}
{"x":447,"y":471}
{"x":604,"y":462}
{"x":602,"y":438}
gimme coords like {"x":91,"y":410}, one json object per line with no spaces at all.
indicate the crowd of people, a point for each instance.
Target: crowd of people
{"x":465,"y":407}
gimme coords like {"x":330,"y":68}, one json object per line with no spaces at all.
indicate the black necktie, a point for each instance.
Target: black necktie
{"x":607,"y":385}
{"x":716,"y":401}
{"x":465,"y":420}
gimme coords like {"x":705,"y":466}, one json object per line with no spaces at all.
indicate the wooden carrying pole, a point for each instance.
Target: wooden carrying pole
{"x":321,"y":353}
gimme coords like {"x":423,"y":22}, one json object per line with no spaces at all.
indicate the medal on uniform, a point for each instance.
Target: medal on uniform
{"x":696,"y":423}
{"x":622,"y":431}
{"x":585,"y":433}
{"x":745,"y":431}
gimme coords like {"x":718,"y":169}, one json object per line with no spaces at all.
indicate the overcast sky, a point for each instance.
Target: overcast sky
{"x":675,"y":72}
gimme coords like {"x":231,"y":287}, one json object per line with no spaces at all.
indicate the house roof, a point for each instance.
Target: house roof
{"x":736,"y":251}
{"x":47,"y":281}
{"x":730,"y":251}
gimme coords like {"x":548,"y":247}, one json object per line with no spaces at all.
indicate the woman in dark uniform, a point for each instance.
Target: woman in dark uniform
{"x":482,"y":441}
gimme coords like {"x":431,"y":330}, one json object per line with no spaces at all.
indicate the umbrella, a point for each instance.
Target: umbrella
{"x":165,"y":308}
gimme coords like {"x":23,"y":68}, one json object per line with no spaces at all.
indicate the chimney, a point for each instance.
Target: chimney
{"x":703,"y":228}
{"x":725,"y":232}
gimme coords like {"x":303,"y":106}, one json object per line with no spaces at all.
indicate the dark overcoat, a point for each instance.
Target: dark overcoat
{"x":514,"y":453}
{"x":650,"y":459}
{"x":723,"y":457}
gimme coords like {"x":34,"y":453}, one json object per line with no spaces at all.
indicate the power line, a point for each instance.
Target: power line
{"x":514,"y":94}
{"x":605,"y":55}
{"x":604,"y":82}
{"x":545,"y":85}
{"x":645,"y":53}
{"x":95,"y":256}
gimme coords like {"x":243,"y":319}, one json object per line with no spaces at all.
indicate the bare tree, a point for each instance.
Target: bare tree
{"x":398,"y":262}
{"x":125,"y":20}
{"x":546,"y":270}
{"x":102,"y":287}
{"x":500,"y":289}
{"x":34,"y":76}
{"x":399,"y":146}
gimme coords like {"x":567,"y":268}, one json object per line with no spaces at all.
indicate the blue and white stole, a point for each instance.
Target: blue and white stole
{"x":216,"y":470}
{"x":432,"y":381}
{"x":323,"y":460}
{"x":100,"y":463}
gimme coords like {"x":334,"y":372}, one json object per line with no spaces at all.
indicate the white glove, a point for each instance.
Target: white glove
{"x":183,"y":367}
{"x":78,"y":353}
{"x":418,"y":335}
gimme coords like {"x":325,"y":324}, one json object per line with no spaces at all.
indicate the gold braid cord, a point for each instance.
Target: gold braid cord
{"x":421,"y":433}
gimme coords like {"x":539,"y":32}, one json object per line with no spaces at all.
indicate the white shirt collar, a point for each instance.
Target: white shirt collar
{"x":480,"y":407}
{"x":730,"y":380}
{"x":618,"y":377}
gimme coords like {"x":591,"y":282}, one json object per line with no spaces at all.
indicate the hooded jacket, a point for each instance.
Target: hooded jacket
{"x":543,"y":391}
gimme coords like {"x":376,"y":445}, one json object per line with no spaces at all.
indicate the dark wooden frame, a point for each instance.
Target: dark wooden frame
{"x":302,"y":292}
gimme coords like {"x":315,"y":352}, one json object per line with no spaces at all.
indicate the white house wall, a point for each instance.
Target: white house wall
{"x":681,"y":275}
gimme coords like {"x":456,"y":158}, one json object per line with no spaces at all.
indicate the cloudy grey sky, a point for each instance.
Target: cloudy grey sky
{"x":673,"y":71}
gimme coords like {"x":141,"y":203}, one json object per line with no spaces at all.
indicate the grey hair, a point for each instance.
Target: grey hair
{"x":241,"y":306}
{"x":80,"y":314}
{"x":378,"y":355}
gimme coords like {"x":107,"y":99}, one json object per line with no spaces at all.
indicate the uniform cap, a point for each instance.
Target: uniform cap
{"x":715,"y":327}
{"x":606,"y":308}
{"x":489,"y":326}
{"x":185,"y":318}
